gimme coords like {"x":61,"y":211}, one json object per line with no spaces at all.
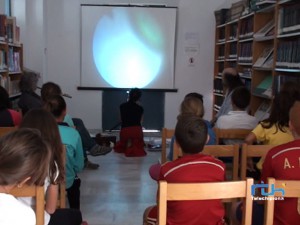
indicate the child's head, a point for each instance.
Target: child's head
{"x":23,"y":154}
{"x":295,"y":119}
{"x":231,"y":79}
{"x":45,"y":122}
{"x":195,"y":94}
{"x":191,"y":133}
{"x":57,"y":106}
{"x":135,"y":94}
{"x":192,"y":106}
{"x":28,"y":81}
{"x":49,"y":89}
{"x":281,"y":105}
{"x":240,"y":98}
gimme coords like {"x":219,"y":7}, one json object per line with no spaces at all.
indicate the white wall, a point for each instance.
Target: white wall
{"x":51,"y":37}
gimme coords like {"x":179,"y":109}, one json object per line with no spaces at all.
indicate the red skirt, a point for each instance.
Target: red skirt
{"x":131,"y":142}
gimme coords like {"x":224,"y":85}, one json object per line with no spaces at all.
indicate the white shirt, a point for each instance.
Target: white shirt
{"x":14,"y":212}
{"x":236,"y":120}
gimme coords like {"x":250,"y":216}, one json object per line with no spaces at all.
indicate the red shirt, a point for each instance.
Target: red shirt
{"x":188,"y":169}
{"x":283,"y":162}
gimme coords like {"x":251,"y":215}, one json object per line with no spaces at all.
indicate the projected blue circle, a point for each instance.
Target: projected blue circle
{"x":128,"y":49}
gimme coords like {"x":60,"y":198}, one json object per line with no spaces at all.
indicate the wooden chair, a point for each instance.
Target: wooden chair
{"x":291,"y":189}
{"x":62,"y":186}
{"x":218,"y":151}
{"x":36,"y":192}
{"x":205,"y":191}
{"x":5,"y":130}
{"x":250,"y":151}
{"x":231,"y":134}
{"x":166,"y":134}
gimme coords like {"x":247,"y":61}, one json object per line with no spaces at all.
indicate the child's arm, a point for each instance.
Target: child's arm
{"x":79,"y":158}
{"x":51,"y":198}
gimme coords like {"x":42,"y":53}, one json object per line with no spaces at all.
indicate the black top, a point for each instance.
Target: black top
{"x":131,"y":114}
{"x":29,"y":100}
{"x":6,"y":119}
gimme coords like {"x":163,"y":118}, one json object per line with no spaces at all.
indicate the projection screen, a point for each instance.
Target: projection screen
{"x":128,"y":46}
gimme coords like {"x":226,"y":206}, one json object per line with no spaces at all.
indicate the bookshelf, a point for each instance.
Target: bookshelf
{"x":11,"y":55}
{"x":268,"y":50}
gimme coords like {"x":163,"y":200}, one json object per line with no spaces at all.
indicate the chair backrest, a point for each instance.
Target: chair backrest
{"x":250,"y":151}
{"x":62,"y":186}
{"x":205,"y":191}
{"x":5,"y":130}
{"x":291,"y":189}
{"x":231,"y":151}
{"x":166,"y":133}
{"x":231,"y":134}
{"x":36,"y":192}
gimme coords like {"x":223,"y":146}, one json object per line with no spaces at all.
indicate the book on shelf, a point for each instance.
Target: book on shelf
{"x":265,"y":31}
{"x":245,"y":53}
{"x":263,"y":111}
{"x":288,"y":54}
{"x":218,"y":86}
{"x":264,"y":88}
{"x":264,"y":56}
{"x":289,"y":19}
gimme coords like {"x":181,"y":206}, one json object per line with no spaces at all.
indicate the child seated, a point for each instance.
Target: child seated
{"x":193,"y":166}
{"x":238,"y":117}
{"x":24,"y":159}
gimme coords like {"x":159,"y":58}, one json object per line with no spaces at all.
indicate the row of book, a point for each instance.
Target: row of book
{"x":12,"y":86}
{"x":14,"y":64}
{"x":289,"y":19}
{"x":218,"y":86}
{"x":3,"y":63}
{"x":9,"y":31}
{"x":288,"y":54}
{"x":246,"y":29}
{"x":265,"y":60}
{"x":245,"y":53}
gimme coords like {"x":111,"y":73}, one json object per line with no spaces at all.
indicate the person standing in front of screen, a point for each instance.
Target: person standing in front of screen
{"x":230,"y":80}
{"x":131,"y":141}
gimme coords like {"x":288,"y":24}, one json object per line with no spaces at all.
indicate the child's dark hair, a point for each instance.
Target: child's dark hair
{"x":135,"y":94}
{"x":45,"y":122}
{"x":23,"y":154}
{"x":191,"y":133}
{"x":196,"y":95}
{"x":232,"y":81}
{"x":49,"y":89}
{"x":241,"y":97}
{"x":56,"y":105}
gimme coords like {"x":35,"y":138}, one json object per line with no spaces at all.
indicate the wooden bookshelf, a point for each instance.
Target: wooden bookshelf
{"x":270,"y":27}
{"x":11,"y":55}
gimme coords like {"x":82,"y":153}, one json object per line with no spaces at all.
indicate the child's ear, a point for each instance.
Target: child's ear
{"x":207,"y":139}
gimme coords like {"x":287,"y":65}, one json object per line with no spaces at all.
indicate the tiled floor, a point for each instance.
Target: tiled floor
{"x":119,"y":191}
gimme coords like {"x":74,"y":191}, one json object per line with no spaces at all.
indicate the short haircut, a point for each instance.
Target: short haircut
{"x":23,"y":154}
{"x":191,"y":133}
{"x":241,"y":97}
{"x":196,"y":95}
{"x":56,"y":105}
{"x":135,"y":94}
{"x":294,"y":115}
{"x":28,"y":81}
{"x":49,"y":89}
{"x":192,"y":106}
